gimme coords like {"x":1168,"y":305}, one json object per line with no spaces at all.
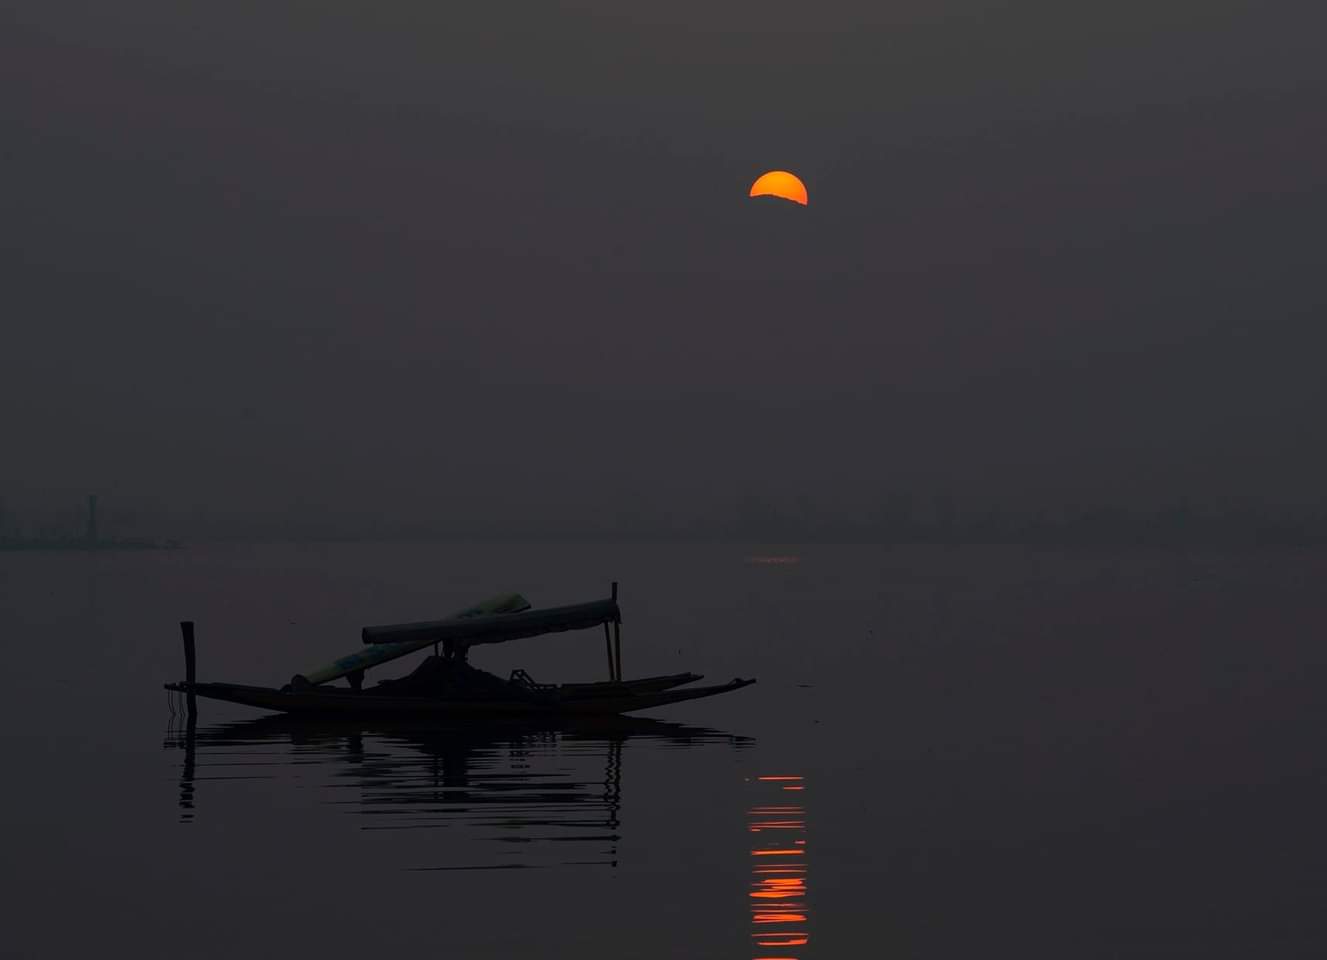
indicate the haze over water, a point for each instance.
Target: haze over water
{"x":950,"y":751}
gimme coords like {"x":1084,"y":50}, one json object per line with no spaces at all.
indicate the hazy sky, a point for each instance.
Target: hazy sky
{"x":400,"y":263}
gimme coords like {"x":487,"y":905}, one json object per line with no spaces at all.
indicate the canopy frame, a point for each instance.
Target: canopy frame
{"x":457,"y":636}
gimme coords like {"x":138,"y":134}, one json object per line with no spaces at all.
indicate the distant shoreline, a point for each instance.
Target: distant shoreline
{"x":79,"y":544}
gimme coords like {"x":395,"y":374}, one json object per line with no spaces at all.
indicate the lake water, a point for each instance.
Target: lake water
{"x":965,"y":751}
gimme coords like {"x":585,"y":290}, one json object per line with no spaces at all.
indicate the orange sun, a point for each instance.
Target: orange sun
{"x":780,"y":183}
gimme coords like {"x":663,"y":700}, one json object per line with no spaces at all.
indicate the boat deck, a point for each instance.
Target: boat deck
{"x":609,"y":697}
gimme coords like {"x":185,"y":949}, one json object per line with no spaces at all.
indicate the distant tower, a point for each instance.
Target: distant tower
{"x":92,"y":519}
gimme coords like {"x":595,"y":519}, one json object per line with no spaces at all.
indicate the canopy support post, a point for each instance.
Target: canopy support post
{"x":190,"y":665}
{"x":617,"y":636}
{"x":608,"y":649}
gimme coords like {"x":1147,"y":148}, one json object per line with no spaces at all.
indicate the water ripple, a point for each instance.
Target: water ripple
{"x":516,"y":796}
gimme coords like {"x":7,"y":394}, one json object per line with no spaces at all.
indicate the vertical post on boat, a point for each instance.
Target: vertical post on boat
{"x":617,"y":636}
{"x":190,"y":664}
{"x":617,"y":646}
{"x":608,"y":648}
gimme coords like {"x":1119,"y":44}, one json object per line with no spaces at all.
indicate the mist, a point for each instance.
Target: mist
{"x":274,"y":271}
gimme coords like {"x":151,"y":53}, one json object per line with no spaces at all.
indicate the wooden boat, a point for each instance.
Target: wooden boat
{"x":446,"y":686}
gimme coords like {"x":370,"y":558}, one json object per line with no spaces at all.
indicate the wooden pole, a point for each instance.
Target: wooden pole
{"x":608,"y":648}
{"x":617,"y":647}
{"x":190,"y":664}
{"x":617,"y":637}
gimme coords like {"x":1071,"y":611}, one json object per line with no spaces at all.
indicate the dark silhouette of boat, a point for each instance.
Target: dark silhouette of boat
{"x":446,"y":685}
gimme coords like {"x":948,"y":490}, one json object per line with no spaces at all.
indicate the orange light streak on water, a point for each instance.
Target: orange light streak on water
{"x":778,"y":888}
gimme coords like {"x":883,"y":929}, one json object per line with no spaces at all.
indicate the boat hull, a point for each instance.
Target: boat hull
{"x":568,"y":700}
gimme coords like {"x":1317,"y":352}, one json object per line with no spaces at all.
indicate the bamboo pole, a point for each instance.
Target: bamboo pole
{"x":190,"y":664}
{"x":617,"y":647}
{"x":617,"y":638}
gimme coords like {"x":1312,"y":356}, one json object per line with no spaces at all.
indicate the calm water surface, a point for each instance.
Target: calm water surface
{"x":950,"y":752}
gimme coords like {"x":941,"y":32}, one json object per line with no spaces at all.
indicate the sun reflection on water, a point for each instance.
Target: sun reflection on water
{"x":779,"y":915}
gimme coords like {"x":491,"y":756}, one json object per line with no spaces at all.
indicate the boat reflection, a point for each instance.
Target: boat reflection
{"x":777,"y":823}
{"x":507,"y":797}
